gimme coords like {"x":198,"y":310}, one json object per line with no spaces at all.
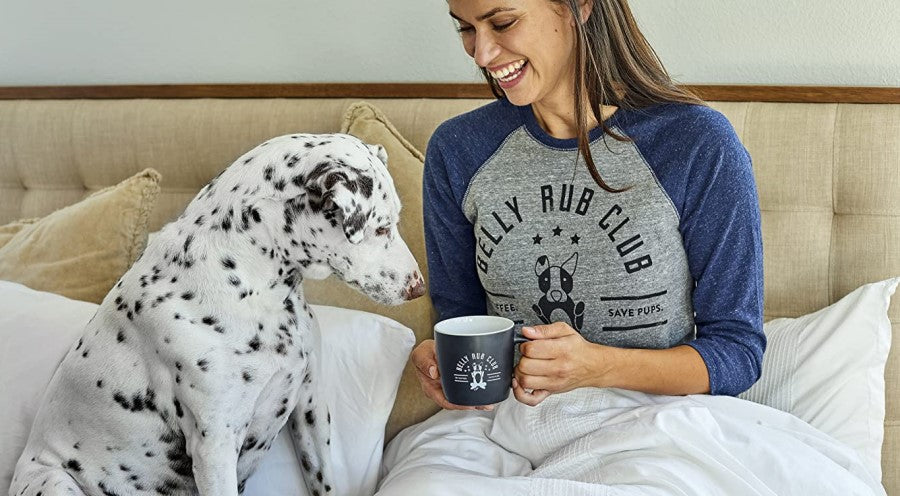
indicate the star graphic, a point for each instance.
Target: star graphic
{"x":575,"y":239}
{"x":537,"y":239}
{"x":557,"y":231}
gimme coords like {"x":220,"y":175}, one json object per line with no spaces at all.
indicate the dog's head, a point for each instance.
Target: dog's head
{"x":344,"y":219}
{"x":555,"y":280}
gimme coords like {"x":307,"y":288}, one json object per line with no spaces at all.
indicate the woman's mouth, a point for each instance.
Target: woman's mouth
{"x":510,"y":75}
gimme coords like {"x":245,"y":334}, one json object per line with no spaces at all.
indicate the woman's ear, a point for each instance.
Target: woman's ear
{"x":585,"y":7}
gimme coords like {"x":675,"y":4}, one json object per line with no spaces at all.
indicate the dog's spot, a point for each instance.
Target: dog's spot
{"x":247,"y":377}
{"x":73,"y":465}
{"x":310,"y":417}
{"x":167,"y":487}
{"x":105,"y":490}
{"x":203,"y":364}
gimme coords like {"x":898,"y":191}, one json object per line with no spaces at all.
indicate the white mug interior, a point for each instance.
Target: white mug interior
{"x":473,"y":325}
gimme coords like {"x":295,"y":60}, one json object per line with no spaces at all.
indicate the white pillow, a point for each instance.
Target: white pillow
{"x":827,"y":368}
{"x":36,"y":331}
{"x":365,"y":355}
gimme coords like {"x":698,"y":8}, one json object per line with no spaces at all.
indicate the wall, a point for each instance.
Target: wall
{"x":55,"y":42}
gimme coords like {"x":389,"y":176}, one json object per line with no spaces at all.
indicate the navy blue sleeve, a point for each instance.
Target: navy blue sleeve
{"x":720,"y":226}
{"x":449,"y":240}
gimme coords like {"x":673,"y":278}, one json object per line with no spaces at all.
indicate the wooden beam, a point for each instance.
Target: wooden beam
{"x":736,"y":93}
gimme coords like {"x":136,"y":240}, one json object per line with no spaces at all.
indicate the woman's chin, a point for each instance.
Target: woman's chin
{"x":518,"y":98}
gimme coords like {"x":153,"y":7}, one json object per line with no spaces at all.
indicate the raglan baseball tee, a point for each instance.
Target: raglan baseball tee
{"x":515,"y":227}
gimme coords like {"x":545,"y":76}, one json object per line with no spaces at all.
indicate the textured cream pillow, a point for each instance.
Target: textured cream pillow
{"x":405,"y":164}
{"x":80,"y":251}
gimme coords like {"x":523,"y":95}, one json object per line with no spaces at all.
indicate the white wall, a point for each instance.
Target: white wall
{"x":57,"y":42}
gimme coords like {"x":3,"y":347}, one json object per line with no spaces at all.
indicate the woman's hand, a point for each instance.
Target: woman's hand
{"x":425,"y":361}
{"x":557,"y":360}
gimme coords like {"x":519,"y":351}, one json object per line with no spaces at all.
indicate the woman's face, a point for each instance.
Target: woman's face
{"x":526,"y":45}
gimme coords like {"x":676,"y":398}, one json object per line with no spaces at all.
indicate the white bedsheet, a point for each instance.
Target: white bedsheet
{"x":616,"y":442}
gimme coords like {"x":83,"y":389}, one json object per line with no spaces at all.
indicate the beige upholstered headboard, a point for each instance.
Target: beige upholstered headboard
{"x":828,"y":176}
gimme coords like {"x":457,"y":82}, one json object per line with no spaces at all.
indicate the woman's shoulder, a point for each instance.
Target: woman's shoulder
{"x":686,"y":120}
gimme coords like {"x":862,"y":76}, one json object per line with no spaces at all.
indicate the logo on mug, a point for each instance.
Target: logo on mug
{"x":478,"y":369}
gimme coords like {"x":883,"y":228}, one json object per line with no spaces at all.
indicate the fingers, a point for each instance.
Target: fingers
{"x":536,"y":367}
{"x":528,"y":396}
{"x":428,"y":374}
{"x":540,"y":349}
{"x":549,"y":331}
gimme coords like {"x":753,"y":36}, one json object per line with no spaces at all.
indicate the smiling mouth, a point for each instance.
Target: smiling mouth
{"x":510,"y":72}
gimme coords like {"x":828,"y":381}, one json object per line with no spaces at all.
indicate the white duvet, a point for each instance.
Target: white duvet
{"x":616,"y":442}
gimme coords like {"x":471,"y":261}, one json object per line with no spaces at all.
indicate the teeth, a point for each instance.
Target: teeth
{"x":510,"y":69}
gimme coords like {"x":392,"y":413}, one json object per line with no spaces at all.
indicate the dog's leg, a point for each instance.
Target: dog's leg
{"x":310,"y":425}
{"x":34,"y":479}
{"x":215,"y":462}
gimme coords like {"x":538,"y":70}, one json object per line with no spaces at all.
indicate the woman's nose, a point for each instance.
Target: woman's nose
{"x":486,"y":49}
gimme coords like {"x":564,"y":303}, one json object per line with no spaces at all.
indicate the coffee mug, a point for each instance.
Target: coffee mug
{"x":475,"y":358}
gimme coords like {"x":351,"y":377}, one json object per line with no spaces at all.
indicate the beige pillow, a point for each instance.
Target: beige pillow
{"x":80,"y":251}
{"x":405,"y":164}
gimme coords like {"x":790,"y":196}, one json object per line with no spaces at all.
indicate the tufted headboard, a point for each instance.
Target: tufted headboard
{"x":828,"y":176}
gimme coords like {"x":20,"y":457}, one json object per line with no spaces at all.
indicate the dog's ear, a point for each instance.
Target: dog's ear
{"x":347,"y":200}
{"x":379,"y":152}
{"x":541,"y":265}
{"x":571,"y":264}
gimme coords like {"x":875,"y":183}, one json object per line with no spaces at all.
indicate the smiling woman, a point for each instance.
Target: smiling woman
{"x":672,"y":218}
{"x":640,"y":271}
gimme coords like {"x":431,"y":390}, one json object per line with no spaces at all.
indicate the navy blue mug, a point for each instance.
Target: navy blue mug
{"x":475,"y":358}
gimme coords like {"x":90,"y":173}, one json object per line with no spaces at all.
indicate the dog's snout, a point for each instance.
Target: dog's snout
{"x":416,"y":288}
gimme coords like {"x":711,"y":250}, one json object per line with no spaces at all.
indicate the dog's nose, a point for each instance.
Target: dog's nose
{"x":415,"y":290}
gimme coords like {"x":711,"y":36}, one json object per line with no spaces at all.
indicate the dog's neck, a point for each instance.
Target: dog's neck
{"x":237,"y":255}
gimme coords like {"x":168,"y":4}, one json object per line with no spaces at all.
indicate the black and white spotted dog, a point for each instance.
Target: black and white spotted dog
{"x":206,"y":348}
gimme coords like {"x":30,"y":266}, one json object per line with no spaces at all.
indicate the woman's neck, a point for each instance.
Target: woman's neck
{"x":558,"y":120}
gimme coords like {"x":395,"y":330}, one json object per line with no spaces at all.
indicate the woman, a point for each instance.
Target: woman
{"x":597,"y":204}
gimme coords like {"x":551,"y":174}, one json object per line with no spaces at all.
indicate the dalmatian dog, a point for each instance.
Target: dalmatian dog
{"x":205,"y":348}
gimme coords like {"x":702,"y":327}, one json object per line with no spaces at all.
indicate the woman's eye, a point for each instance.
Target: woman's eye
{"x":497,"y":27}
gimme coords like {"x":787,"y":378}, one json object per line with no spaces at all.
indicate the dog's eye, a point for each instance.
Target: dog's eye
{"x":382,"y":231}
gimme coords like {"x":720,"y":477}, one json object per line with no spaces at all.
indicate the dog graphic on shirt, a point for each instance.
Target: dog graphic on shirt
{"x":556,"y":282}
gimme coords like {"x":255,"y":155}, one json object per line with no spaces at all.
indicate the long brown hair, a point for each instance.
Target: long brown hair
{"x":614,"y":65}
